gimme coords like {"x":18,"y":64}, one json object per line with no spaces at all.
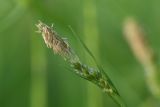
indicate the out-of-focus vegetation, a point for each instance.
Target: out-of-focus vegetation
{"x":31,"y":76}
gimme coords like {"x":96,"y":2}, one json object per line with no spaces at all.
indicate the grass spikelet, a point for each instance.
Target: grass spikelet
{"x":61,"y":47}
{"x":144,"y":54}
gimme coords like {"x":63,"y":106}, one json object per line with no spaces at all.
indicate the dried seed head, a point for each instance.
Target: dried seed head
{"x":53,"y":40}
{"x":137,"y":41}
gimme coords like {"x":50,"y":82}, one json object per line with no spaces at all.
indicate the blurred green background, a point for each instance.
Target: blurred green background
{"x":32,"y":76}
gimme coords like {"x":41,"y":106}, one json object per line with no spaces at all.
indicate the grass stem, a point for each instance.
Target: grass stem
{"x":61,"y":47}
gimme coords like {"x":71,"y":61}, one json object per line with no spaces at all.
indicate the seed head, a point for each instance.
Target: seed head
{"x":137,"y":41}
{"x":53,"y":40}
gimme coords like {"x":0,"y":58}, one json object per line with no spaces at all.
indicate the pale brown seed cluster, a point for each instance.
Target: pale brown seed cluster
{"x":53,"y":40}
{"x":137,"y":41}
{"x":136,"y":38}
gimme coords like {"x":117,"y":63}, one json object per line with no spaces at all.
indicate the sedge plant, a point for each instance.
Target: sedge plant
{"x":61,"y":47}
{"x":143,"y":52}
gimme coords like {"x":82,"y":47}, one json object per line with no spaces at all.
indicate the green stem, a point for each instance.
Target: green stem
{"x":152,"y":78}
{"x":38,"y":75}
{"x":91,"y":36}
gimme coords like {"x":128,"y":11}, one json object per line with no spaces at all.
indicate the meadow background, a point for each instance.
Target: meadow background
{"x":32,"y":76}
